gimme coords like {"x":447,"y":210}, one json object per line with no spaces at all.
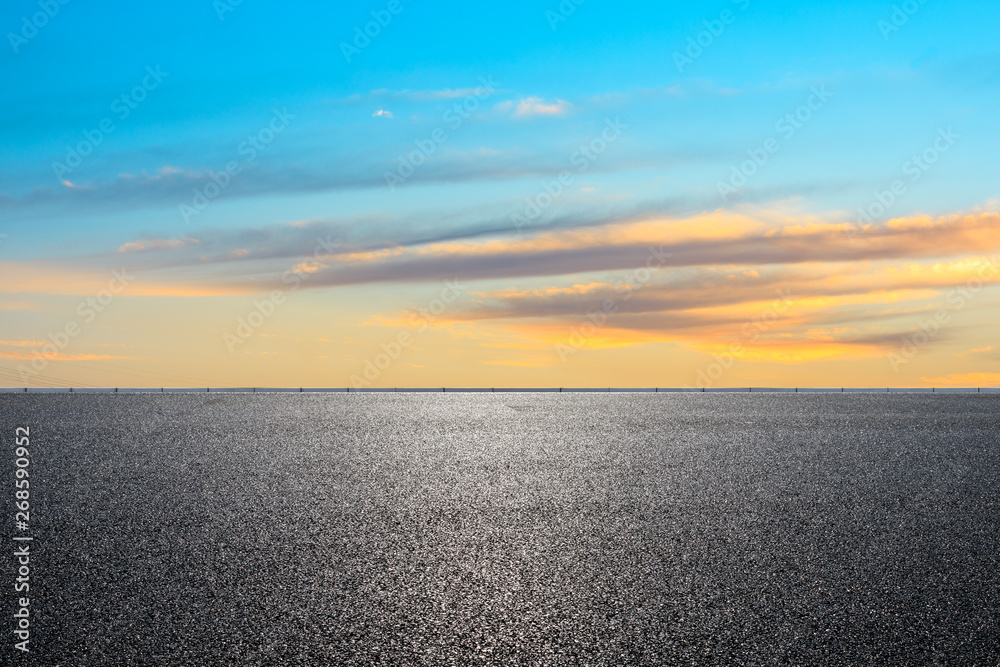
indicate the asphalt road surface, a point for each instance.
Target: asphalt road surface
{"x":687,"y":529}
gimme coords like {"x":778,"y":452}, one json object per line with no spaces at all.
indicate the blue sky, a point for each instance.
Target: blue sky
{"x":541,"y":79}
{"x":891,"y":94}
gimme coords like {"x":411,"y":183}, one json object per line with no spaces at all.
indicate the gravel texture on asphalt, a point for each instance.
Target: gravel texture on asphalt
{"x":503,"y":529}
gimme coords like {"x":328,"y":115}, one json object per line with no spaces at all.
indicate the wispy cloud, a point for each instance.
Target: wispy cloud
{"x":731,"y":241}
{"x":379,"y":250}
{"x":18,"y":305}
{"x":535,"y":106}
{"x":425,"y":95}
{"x":126,"y":191}
{"x":156,"y":244}
{"x":58,"y":356}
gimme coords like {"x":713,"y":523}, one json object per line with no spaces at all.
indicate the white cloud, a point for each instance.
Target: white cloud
{"x":536,"y":106}
{"x":425,"y":95}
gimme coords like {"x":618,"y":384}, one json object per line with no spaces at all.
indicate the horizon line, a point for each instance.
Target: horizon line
{"x":596,"y":390}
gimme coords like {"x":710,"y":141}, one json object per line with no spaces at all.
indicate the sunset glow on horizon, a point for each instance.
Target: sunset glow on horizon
{"x":724,"y":194}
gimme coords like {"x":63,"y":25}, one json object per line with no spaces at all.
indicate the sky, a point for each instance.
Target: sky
{"x":736,"y":193}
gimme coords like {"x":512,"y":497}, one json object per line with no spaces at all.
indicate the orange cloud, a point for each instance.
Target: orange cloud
{"x":788,"y":350}
{"x":56,"y":279}
{"x":17,"y":305}
{"x":716,"y":239}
